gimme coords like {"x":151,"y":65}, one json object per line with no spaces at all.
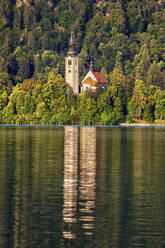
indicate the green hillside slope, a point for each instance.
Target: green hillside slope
{"x":125,"y":39}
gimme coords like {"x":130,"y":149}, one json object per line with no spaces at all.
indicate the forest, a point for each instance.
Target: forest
{"x":124,"y":38}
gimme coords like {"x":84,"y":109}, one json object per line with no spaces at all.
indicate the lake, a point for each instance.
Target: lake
{"x":83,"y":187}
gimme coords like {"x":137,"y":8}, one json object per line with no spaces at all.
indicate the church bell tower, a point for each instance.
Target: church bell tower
{"x":71,"y":67}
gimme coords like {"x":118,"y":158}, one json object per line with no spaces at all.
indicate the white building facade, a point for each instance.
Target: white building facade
{"x":71,"y":68}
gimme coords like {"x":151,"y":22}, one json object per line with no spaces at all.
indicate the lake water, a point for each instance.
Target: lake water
{"x":83,"y":187}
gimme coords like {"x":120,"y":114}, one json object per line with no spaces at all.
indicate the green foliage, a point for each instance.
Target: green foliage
{"x":87,"y":109}
{"x":117,"y":77}
{"x":1,"y":23}
{"x":142,"y":63}
{"x":3,"y":104}
{"x":125,"y":39}
{"x":5,"y":82}
{"x":101,"y":30}
{"x":148,"y":114}
{"x":155,"y":75}
{"x":139,"y":98}
{"x":159,"y":104}
{"x":118,"y":110}
{"x":131,"y":110}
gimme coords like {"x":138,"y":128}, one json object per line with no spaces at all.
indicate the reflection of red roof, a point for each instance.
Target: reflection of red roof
{"x":99,"y":77}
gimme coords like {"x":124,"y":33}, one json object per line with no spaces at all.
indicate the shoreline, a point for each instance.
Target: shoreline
{"x":142,"y":124}
{"x":119,"y":126}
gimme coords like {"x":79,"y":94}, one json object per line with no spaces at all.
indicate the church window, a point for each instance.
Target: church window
{"x":69,"y":62}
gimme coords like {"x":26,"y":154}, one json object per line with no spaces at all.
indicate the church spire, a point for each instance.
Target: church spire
{"x":91,"y":66}
{"x":71,"y":51}
{"x":71,"y":42}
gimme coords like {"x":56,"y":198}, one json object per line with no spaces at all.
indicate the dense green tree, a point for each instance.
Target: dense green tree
{"x":2,"y":65}
{"x":142,"y":63}
{"x":125,"y":39}
{"x":8,"y":114}
{"x":6,"y":12}
{"x":116,"y":16}
{"x":117,"y":77}
{"x":100,"y":30}
{"x":139,"y":98}
{"x":5,"y":81}
{"x":29,"y":18}
{"x":154,"y":75}
{"x":159,"y":104}
{"x":139,"y":14}
{"x":87,"y":109}
{"x":118,"y":110}
{"x":148,"y":114}
{"x":3,"y":104}
{"x":25,"y":68}
{"x":131,"y":110}
{"x":11,"y":64}
{"x":6,"y":48}
{"x":42,"y":113}
{"x":107,"y":117}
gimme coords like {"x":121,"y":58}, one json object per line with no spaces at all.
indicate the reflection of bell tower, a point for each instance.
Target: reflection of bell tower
{"x":70,"y":181}
{"x":71,"y":67}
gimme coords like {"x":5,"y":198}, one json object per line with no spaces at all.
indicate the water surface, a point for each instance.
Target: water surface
{"x":82,"y":187}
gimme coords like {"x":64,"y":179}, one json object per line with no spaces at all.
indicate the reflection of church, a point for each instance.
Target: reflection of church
{"x":79,"y":180}
{"x":87,"y":178}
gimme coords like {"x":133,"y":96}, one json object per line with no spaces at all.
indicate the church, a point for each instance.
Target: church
{"x":91,"y":81}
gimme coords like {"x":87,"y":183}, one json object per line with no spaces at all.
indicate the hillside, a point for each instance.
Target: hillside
{"x":124,"y":38}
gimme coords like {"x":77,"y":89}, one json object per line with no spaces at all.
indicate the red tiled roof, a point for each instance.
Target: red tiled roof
{"x":99,"y":77}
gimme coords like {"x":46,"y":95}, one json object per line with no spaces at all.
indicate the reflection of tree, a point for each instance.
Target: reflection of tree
{"x":126,"y":189}
{"x":23,"y":224}
{"x":127,"y":210}
{"x":148,"y":176}
{"x":30,"y":187}
{"x":70,"y":180}
{"x":6,"y":188}
{"x":87,"y":177}
{"x":112,"y":141}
